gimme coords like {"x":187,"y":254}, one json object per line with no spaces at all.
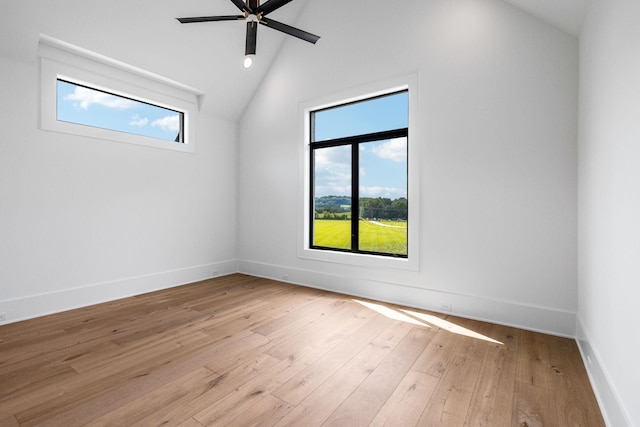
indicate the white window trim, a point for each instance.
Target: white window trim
{"x":60,"y":60}
{"x":410,"y":263}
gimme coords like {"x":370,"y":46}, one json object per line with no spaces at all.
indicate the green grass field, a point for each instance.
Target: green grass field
{"x":382,"y":236}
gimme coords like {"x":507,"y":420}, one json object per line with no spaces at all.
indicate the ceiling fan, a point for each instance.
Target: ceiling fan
{"x":253,"y":12}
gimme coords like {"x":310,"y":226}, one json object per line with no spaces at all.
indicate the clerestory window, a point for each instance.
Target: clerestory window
{"x":89,"y":106}
{"x":87,"y":94}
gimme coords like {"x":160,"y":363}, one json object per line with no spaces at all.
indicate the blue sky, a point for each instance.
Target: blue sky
{"x":82,"y":105}
{"x":383,"y":164}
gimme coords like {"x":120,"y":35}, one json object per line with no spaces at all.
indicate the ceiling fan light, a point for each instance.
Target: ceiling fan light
{"x":248,"y":60}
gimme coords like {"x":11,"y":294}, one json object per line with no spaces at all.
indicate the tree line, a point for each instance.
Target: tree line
{"x":339,"y":207}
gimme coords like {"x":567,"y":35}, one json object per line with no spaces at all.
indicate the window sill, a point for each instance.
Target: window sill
{"x":360,"y":260}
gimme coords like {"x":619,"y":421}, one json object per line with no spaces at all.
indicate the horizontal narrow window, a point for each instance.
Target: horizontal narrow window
{"x":86,"y":94}
{"x":90,"y":106}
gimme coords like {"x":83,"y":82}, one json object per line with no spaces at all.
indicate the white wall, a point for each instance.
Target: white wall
{"x":497,"y":134}
{"x":609,"y":204}
{"x":85,"y":220}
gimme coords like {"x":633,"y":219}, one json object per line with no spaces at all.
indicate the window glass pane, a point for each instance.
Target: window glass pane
{"x":372,"y":115}
{"x":91,"y":107}
{"x":332,"y":197}
{"x":383,"y":208}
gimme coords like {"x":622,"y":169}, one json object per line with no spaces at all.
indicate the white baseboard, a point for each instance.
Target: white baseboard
{"x":539,"y":319}
{"x":523,"y":316}
{"x":610,"y":403}
{"x":68,"y":299}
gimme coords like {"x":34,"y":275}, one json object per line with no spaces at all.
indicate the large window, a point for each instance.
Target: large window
{"x":359,"y":176}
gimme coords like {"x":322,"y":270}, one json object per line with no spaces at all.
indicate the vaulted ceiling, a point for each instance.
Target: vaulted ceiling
{"x":567,"y":15}
{"x":206,"y":56}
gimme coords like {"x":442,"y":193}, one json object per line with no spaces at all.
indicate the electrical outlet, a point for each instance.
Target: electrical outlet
{"x":285,"y":277}
{"x":589,"y":360}
{"x":446,"y":307}
{"x":3,"y":317}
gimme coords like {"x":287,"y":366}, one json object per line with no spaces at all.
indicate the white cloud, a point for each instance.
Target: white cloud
{"x":389,"y":192}
{"x":169,"y":123}
{"x":333,"y":171}
{"x":333,"y":180}
{"x":136,"y":120}
{"x":332,"y":190}
{"x":394,"y":149}
{"x":84,"y":97}
{"x":333,"y":165}
{"x":336,"y":156}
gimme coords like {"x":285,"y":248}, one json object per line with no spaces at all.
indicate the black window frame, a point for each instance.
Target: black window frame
{"x":354,"y":141}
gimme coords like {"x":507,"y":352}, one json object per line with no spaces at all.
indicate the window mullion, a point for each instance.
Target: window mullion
{"x":355,"y":194}
{"x":312,"y":196}
{"x":395,"y":133}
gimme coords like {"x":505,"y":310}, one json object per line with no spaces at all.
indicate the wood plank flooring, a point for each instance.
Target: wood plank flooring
{"x":245,"y":351}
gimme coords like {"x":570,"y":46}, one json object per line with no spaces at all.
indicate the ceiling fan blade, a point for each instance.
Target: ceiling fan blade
{"x":252,"y":35}
{"x":270,"y":6}
{"x":292,"y":31}
{"x":210,"y":18}
{"x":241,"y":5}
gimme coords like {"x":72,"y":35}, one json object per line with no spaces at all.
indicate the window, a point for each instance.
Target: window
{"x":90,"y":106}
{"x":88,"y":94}
{"x":359,"y":176}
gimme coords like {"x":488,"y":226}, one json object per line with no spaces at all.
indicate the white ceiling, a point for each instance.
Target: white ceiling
{"x":567,"y":15}
{"x":205,"y":56}
{"x":145,"y":34}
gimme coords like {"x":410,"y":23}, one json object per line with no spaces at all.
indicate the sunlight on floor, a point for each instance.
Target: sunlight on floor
{"x":391,"y":313}
{"x":449,"y":326}
{"x":426,"y":320}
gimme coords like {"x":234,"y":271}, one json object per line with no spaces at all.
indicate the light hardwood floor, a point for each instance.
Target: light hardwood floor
{"x":244,"y":351}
